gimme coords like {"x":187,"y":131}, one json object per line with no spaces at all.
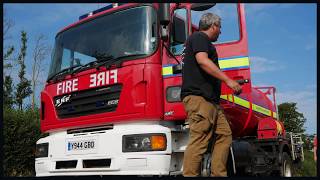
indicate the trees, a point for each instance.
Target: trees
{"x":292,"y":119}
{"x":21,"y":127}
{"x":8,"y":52}
{"x":7,"y":25}
{"x":20,"y":134}
{"x":6,"y":56}
{"x":40,"y":52}
{"x":7,"y":81}
{"x":23,"y":87}
{"x":7,"y":92}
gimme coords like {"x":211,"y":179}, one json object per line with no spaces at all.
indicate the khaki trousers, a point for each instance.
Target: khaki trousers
{"x":205,"y":119}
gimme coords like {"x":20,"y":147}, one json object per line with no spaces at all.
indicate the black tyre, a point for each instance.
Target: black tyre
{"x":206,"y":165}
{"x":286,"y":165}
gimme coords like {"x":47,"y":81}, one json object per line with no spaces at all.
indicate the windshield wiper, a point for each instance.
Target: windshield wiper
{"x":63,"y":72}
{"x":82,"y":67}
{"x":117,"y":61}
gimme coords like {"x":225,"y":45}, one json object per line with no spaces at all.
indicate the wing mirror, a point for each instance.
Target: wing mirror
{"x":164,"y":18}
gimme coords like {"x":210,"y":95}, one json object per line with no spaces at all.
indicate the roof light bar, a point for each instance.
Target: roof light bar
{"x":110,"y":6}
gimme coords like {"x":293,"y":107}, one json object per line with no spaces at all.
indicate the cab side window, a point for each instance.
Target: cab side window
{"x":228,"y":13}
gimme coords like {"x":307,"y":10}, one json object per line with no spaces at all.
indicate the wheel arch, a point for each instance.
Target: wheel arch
{"x":284,"y":147}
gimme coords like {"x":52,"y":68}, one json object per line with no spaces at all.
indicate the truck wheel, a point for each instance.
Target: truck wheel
{"x":206,"y":165}
{"x":286,"y":165}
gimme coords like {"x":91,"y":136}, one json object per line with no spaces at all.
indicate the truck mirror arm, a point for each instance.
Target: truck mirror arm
{"x":170,"y":53}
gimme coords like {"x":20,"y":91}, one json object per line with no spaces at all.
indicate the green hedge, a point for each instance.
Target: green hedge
{"x":21,"y":130}
{"x":309,"y":166}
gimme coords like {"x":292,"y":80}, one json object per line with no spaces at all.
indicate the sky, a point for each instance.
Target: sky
{"x":282,"y":45}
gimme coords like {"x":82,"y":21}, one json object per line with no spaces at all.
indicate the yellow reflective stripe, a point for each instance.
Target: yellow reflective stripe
{"x":261,"y":109}
{"x":275,"y":115}
{"x":241,"y":102}
{"x":223,"y":63}
{"x":279,"y":127}
{"x":167,"y":70}
{"x":232,"y":63}
{"x":245,"y":103}
{"x":236,"y":100}
{"x":223,"y":97}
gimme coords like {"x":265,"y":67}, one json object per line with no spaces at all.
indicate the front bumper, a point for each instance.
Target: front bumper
{"x":109,"y":152}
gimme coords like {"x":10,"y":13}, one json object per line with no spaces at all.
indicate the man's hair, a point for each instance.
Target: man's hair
{"x":207,"y":20}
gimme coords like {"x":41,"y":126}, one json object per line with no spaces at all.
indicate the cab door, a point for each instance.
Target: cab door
{"x":232,"y":45}
{"x":232,"y":50}
{"x":171,"y":63}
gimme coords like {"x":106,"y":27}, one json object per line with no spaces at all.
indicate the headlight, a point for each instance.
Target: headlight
{"x":144,"y":142}
{"x":173,"y":94}
{"x":42,"y":150}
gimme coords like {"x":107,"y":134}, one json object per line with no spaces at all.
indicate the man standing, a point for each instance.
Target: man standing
{"x":315,"y":146}
{"x":201,"y":95}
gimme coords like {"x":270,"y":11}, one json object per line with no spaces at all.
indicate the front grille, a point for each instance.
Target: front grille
{"x":91,"y":130}
{"x":66,"y":164}
{"x":96,"y":163}
{"x":91,"y":101}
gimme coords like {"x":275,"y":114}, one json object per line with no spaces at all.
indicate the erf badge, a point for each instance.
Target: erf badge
{"x":62,"y":100}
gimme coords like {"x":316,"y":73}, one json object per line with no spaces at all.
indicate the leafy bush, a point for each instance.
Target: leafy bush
{"x":21,"y":130}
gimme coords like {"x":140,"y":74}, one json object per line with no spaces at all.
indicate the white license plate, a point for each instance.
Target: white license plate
{"x":81,"y":145}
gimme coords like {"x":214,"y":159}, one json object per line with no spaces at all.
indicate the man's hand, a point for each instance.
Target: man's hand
{"x":234,"y":85}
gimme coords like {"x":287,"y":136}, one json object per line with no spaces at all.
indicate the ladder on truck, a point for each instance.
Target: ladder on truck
{"x":296,"y":146}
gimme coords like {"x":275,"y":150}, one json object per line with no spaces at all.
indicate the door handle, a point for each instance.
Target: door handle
{"x":242,"y":81}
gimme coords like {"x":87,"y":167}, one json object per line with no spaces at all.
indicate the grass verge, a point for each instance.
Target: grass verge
{"x":309,"y":166}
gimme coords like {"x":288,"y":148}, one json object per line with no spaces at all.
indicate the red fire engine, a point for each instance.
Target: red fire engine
{"x":112,"y":106}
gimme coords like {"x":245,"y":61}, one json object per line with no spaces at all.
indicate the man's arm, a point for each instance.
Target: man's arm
{"x":209,"y":67}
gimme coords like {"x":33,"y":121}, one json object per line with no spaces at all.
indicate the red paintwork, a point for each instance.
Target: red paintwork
{"x":267,"y":129}
{"x":143,"y":95}
{"x":244,"y":121}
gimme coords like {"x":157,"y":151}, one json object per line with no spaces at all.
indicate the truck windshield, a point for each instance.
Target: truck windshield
{"x":125,"y":33}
